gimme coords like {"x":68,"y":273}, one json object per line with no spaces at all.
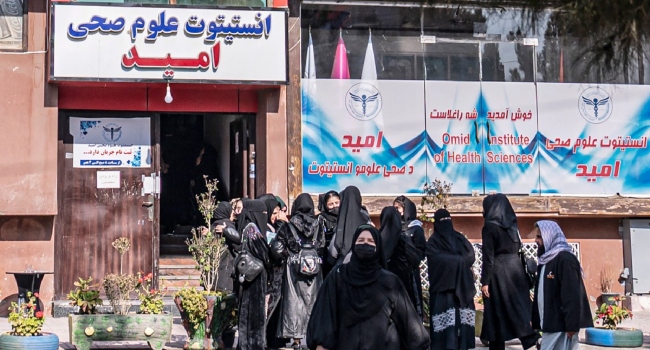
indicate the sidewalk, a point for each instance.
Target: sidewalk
{"x":59,"y":326}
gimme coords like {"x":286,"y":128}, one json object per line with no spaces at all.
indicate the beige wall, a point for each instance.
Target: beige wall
{"x":28,"y":165}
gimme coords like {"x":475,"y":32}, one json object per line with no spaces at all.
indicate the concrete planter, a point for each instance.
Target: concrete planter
{"x":619,"y":338}
{"x":86,"y":329}
{"x":46,"y":341}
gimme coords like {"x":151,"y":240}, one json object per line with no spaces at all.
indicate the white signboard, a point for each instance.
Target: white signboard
{"x":183,"y":44}
{"x":111,"y":142}
{"x":108,"y":179}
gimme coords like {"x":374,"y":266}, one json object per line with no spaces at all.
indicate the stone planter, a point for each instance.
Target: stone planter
{"x":618,"y":338}
{"x":86,"y":329}
{"x":46,"y":341}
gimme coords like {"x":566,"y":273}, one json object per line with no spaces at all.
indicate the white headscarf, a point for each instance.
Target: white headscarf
{"x":554,"y":241}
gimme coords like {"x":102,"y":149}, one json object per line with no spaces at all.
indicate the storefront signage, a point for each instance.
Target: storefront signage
{"x":111,"y":142}
{"x":175,"y":44}
{"x":516,"y":138}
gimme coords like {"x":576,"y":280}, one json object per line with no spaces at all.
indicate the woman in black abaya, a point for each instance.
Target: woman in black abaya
{"x":363,"y":306}
{"x":298,"y":290}
{"x":252,"y":295}
{"x":450,"y":257}
{"x":351,"y":215}
{"x":409,"y":259}
{"x":506,"y":293}
{"x":328,"y":208}
{"x":224,"y":227}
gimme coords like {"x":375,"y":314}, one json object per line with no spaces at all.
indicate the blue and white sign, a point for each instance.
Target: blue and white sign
{"x":111,"y":142}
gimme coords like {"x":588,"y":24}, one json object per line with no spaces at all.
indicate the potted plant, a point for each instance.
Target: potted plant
{"x":609,"y":334}
{"x":149,"y":324}
{"x":606,"y":283}
{"x":206,"y":314}
{"x":26,"y":325}
{"x":85,"y":297}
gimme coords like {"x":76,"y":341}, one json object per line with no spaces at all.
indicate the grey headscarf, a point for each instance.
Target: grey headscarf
{"x":554,"y":240}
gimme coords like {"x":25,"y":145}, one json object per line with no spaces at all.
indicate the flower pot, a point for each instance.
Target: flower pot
{"x":86,"y":329}
{"x":217,"y":319}
{"x":46,"y":341}
{"x":619,"y":338}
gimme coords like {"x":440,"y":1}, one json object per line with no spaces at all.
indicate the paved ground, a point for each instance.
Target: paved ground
{"x":60,"y":327}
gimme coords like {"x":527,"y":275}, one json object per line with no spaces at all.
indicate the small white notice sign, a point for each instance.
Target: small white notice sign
{"x":108,"y":179}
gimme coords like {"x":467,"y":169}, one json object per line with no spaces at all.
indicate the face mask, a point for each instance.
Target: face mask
{"x":364,"y":251}
{"x":335,"y":211}
{"x":541,"y":250}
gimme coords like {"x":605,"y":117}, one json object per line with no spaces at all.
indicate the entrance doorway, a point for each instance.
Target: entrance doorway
{"x":193,"y":146}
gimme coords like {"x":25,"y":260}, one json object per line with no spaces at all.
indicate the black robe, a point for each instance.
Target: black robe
{"x":507,"y":312}
{"x":351,"y":216}
{"x":252,"y":295}
{"x":327,"y":221}
{"x":450,"y":257}
{"x":361,"y":306}
{"x":298,"y":291}
{"x":396,"y":326}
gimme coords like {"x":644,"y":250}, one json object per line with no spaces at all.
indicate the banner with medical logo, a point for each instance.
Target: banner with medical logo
{"x":366,"y":133}
{"x":594,"y":139}
{"x":111,"y":142}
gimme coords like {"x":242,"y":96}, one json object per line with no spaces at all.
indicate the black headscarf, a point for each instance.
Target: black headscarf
{"x":410,"y":210}
{"x":266,"y":196}
{"x":359,"y":292}
{"x":222,"y":213}
{"x":350,"y":218}
{"x":271,"y":204}
{"x":302,"y":215}
{"x":498,"y":210}
{"x":254,"y":211}
{"x":391,"y":228}
{"x":327,"y":214}
{"x":450,"y":257}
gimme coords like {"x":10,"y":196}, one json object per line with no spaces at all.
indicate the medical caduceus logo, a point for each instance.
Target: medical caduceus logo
{"x":112,"y":132}
{"x":363,"y":101}
{"x":595,"y":105}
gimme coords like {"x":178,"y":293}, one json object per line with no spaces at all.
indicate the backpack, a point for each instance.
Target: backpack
{"x":306,"y":262}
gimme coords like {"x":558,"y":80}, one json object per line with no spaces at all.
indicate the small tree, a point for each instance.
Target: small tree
{"x":435,"y":196}
{"x":206,"y":246}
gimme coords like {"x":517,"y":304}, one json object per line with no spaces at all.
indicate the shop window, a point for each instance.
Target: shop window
{"x":395,"y":33}
{"x":12,"y":25}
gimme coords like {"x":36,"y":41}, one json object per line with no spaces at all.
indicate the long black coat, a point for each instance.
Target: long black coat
{"x":508,"y":310}
{"x":395,"y":327}
{"x":566,"y":307}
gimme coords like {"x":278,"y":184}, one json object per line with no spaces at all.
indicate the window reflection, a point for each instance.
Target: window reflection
{"x":497,"y":33}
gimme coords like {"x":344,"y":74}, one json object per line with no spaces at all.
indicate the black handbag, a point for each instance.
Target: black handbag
{"x":247,"y":267}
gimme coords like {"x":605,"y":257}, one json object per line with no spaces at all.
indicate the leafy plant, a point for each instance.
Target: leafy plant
{"x":610,"y":316}
{"x":206,"y":246}
{"x":435,"y":196}
{"x":122,"y":245}
{"x":118,"y":289}
{"x":151,"y":300}
{"x":85,"y":297}
{"x":25,"y":320}
{"x":194,"y":305}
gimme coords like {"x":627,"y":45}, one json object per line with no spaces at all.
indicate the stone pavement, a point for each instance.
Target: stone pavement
{"x":59,"y":326}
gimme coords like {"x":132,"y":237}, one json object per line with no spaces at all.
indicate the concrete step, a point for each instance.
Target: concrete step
{"x":176,"y":259}
{"x":178,"y":283}
{"x":183,"y":270}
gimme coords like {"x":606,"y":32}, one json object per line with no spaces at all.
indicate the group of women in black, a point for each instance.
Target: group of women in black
{"x":335,"y":281}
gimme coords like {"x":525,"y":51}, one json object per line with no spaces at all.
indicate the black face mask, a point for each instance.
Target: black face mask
{"x":364,"y":251}
{"x":541,"y":250}
{"x":335,"y":211}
